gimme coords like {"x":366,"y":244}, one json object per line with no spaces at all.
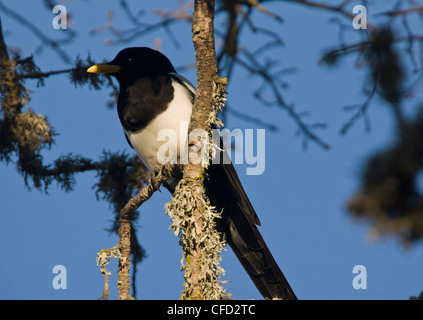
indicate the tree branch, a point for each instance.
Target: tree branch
{"x":193,"y":218}
{"x":205,"y":56}
{"x":125,"y":229}
{"x":123,"y":249}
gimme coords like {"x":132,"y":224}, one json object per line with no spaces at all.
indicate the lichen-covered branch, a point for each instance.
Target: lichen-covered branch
{"x":123,"y":249}
{"x":194,"y":219}
{"x":103,"y":259}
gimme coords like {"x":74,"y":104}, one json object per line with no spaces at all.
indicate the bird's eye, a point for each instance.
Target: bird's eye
{"x":130,"y":60}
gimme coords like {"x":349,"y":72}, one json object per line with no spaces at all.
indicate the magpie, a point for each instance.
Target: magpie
{"x":152,"y":97}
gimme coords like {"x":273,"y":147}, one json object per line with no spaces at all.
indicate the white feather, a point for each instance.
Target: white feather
{"x":174,"y":120}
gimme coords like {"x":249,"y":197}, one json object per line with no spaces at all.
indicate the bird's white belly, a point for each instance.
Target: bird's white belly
{"x":165,"y":137}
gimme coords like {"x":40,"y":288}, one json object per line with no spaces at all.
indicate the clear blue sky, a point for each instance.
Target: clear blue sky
{"x":300,"y":198}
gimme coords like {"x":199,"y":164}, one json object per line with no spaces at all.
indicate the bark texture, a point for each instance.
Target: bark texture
{"x":193,"y":216}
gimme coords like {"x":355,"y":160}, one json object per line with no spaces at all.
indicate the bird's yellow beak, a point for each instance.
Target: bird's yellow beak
{"x":104,"y":68}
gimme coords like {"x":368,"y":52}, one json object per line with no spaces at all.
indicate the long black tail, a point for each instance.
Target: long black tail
{"x":239,"y":225}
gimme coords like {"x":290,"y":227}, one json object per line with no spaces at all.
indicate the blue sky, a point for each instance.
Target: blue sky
{"x":300,"y":198}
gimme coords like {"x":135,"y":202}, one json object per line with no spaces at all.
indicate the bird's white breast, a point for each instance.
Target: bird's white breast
{"x":170,"y":126}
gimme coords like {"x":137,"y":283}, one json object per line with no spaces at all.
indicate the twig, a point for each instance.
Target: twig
{"x":272,"y":84}
{"x":39,"y":75}
{"x":153,"y":184}
{"x":403,"y":12}
{"x":246,"y":117}
{"x":362,"y":111}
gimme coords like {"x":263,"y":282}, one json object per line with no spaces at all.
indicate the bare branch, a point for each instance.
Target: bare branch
{"x":124,"y":245}
{"x":272,"y":83}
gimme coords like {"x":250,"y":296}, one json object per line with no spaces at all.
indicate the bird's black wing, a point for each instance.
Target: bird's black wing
{"x":185,"y":83}
{"x":127,"y":140}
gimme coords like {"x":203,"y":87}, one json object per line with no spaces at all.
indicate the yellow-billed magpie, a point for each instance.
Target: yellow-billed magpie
{"x":153,"y":97}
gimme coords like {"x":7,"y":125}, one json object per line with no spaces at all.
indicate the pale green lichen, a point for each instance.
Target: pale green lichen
{"x":32,"y":130}
{"x":180,"y":209}
{"x":218,"y":102}
{"x":103,"y":259}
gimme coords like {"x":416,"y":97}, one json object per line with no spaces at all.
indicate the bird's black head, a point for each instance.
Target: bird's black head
{"x":131,"y":64}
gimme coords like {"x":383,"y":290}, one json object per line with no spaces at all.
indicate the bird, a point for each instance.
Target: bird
{"x":153,"y":96}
